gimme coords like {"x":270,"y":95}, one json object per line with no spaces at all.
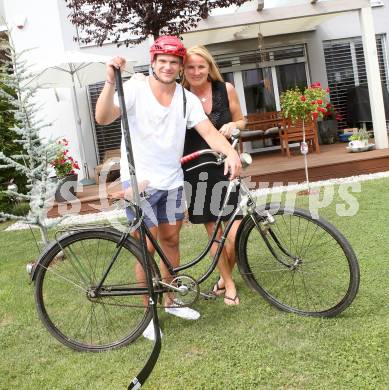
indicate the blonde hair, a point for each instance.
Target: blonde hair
{"x":214,"y":72}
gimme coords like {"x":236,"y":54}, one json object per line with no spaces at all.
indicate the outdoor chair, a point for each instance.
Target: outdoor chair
{"x":259,"y":126}
{"x":111,"y":164}
{"x":293,"y":132}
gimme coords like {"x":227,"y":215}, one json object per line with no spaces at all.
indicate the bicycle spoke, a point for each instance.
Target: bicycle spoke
{"x":299,"y":265}
{"x":71,"y":308}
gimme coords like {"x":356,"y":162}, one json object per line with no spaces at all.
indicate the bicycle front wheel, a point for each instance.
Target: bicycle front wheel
{"x":297,"y":263}
{"x":67,"y":274}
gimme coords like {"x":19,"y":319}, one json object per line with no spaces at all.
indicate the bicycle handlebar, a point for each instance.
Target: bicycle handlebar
{"x":245,"y":158}
{"x":198,"y":153}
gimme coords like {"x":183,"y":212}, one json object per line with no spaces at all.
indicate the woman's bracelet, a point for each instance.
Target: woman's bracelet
{"x":110,"y":82}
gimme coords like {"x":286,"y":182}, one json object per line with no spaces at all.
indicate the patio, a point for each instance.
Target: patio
{"x":333,"y":161}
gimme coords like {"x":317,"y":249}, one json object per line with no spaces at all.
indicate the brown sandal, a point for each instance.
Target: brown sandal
{"x":236,"y":303}
{"x":217,"y":290}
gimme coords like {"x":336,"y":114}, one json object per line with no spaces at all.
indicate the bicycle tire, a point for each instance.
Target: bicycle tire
{"x":312,"y":271}
{"x":76,"y":263}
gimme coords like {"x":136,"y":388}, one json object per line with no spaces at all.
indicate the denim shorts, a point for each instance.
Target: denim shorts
{"x":160,"y":206}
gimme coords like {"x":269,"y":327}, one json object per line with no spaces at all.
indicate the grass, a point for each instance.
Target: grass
{"x":253,"y":346}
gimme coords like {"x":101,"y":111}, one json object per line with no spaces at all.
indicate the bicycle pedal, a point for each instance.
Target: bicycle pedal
{"x":208,"y":297}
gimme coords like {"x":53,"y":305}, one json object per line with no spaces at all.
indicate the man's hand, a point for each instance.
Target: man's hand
{"x":116,"y":62}
{"x":128,"y":194}
{"x":232,"y":164}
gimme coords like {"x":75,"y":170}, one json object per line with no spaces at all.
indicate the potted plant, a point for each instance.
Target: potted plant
{"x":328,"y":125}
{"x":310,"y":104}
{"x":359,"y":139}
{"x":65,"y":168}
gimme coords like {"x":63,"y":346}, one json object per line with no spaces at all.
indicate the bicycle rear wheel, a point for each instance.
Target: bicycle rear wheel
{"x":298,"y":264}
{"x":72,"y":268}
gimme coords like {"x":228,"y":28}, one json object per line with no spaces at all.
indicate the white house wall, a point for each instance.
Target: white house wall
{"x":48,"y":27}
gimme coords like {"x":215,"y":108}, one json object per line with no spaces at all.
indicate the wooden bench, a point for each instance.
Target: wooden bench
{"x":111,"y":163}
{"x":260,"y":126}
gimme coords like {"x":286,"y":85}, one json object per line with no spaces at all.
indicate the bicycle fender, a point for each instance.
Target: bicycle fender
{"x":257,"y":212}
{"x":40,"y":259}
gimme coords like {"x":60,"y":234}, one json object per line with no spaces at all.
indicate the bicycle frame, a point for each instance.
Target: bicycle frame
{"x":115,"y":291}
{"x":175,"y":270}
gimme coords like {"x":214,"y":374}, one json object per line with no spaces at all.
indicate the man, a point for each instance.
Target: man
{"x":159,"y":111}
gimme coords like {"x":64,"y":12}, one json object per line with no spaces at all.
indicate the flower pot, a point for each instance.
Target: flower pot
{"x":328,"y":131}
{"x":66,"y":190}
{"x":358,"y":144}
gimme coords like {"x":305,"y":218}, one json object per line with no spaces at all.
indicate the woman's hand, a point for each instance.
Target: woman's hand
{"x":227,"y":129}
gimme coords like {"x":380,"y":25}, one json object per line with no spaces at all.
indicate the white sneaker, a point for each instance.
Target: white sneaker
{"x":183,"y":312}
{"x":148,"y":333}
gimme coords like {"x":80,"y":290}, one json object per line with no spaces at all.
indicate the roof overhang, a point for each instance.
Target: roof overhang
{"x":270,"y":21}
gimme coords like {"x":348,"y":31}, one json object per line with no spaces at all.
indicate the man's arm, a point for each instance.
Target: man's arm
{"x":219,"y":143}
{"x":106,"y":110}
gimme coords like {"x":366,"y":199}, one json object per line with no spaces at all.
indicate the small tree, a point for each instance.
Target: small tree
{"x":33,"y":160}
{"x":133,"y":21}
{"x":8,"y":144}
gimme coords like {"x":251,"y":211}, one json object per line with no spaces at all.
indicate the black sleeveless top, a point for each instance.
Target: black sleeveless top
{"x":219,"y":116}
{"x":202,"y":201}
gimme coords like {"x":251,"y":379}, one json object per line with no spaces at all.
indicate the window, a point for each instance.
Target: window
{"x":229,"y":77}
{"x":258,"y":90}
{"x":291,"y":76}
{"x":346,"y":68}
{"x":262,"y":75}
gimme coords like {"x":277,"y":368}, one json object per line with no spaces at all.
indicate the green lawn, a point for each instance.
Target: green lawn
{"x":253,"y":346}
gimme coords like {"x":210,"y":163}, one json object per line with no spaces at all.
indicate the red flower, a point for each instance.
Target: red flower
{"x":320,"y":101}
{"x":327,"y":90}
{"x":328,"y":105}
{"x":315,"y":115}
{"x":313,"y":102}
{"x":322,"y":109}
{"x":303,"y":98}
{"x":316,"y":85}
{"x":64,"y":164}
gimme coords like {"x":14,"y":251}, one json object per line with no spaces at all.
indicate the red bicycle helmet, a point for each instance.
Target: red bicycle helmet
{"x":168,"y":44}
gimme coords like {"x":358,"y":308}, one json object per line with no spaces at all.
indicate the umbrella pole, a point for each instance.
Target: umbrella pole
{"x":86,"y":180}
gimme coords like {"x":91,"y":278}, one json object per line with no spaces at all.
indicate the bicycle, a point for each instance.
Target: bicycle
{"x":90,"y":297}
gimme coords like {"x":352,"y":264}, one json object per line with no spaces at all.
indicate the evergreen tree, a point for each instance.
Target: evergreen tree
{"x":133,"y":21}
{"x":32,"y":158}
{"x":7,"y":144}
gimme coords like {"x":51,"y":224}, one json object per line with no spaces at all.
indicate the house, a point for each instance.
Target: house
{"x":340,"y":43}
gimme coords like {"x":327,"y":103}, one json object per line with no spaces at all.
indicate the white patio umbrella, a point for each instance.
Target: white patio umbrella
{"x":73,"y":69}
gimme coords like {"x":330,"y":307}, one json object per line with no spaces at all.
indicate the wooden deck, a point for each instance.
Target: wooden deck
{"x":333,"y":161}
{"x":269,"y":167}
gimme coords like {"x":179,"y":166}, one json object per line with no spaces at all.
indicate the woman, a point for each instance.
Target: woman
{"x":220,"y":102}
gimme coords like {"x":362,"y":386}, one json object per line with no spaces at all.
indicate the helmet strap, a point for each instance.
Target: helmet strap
{"x":161,"y":81}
